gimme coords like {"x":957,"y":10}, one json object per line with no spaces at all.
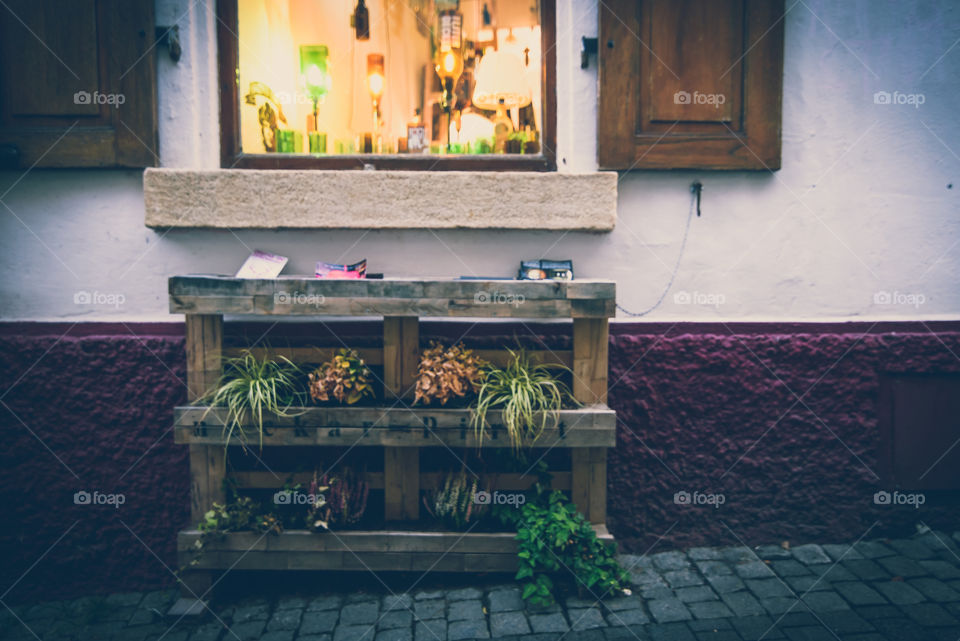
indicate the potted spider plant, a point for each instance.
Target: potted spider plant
{"x":528,"y":396}
{"x":251,"y":387}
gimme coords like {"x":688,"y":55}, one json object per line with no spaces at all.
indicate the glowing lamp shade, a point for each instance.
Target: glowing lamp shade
{"x":501,"y":82}
{"x":313,"y":70}
{"x":375,"y":75}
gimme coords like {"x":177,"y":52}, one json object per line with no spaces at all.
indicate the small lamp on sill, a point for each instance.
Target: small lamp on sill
{"x":375,"y":84}
{"x":315,"y":79}
{"x":501,"y":85}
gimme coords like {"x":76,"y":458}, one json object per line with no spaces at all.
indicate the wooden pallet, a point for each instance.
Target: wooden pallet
{"x":396,"y":427}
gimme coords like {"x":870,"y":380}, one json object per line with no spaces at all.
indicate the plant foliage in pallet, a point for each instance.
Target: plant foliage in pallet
{"x":251,"y":387}
{"x":345,"y":500}
{"x":528,"y":396}
{"x":454,"y":502}
{"x":345,"y":378}
{"x":446,"y":373}
{"x":555,"y":540}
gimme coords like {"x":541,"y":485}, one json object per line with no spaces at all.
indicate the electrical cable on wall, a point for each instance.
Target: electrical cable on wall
{"x":695,"y":188}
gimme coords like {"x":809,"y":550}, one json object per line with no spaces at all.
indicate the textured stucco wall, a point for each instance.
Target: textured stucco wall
{"x":863,"y":203}
{"x":690,"y":398}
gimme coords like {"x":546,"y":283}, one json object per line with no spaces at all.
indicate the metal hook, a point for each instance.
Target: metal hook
{"x":697,"y":188}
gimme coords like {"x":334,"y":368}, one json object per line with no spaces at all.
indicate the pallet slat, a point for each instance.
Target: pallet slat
{"x":428,"y":480}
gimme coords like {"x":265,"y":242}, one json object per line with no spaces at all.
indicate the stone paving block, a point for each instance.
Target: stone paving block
{"x":872,"y":549}
{"x":718,"y":635}
{"x":635,"y":616}
{"x":867,"y":570}
{"x":122,"y":599}
{"x":708,"y":625}
{"x":434,"y":630}
{"x":842,"y":551}
{"x":291,"y":602}
{"x":709,"y":610}
{"x":620,"y":603}
{"x":670,"y":632}
{"x":354,"y":633}
{"x":738,"y":554}
{"x":902,"y":566}
{"x":673,"y":560}
{"x":810,"y":554}
{"x":704,"y":554}
{"x":931,"y":615}
{"x":208,"y":632}
{"x":682,"y":578}
{"x":395,"y":619}
{"x":912,"y":549}
{"x":902,"y":629}
{"x":832,"y":572}
{"x":809,"y":633}
{"x":935,"y":590}
{"x":753,"y":570}
{"x":360,"y":597}
{"x":285,"y":620}
{"x":319,"y":622}
{"x":844,"y":623}
{"x":859,"y":593}
{"x":770,"y":552}
{"x":548,"y":623}
{"x":577,"y":602}
{"x":943,"y":570}
{"x":585,"y":619}
{"x":248,"y":631}
{"x":504,"y":624}
{"x":622,"y":633}
{"x":463,"y":594}
{"x":696,"y":593}
{"x":724,"y":584}
{"x":505,"y":600}
{"x":781,"y":605}
{"x":668,"y":610}
{"x":432,"y":609}
{"x":899,"y":593}
{"x":646,"y":579}
{"x":465,"y":610}
{"x":397,"y":602}
{"x":395,"y":634}
{"x":825,"y":602}
{"x":807,"y":583}
{"x":277,"y":635}
{"x":656,"y":593}
{"x":795,"y":619}
{"x":325,"y":602}
{"x":429,"y":595}
{"x":753,"y":628}
{"x":251,"y":612}
{"x":315,"y":637}
{"x":789,"y":567}
{"x":879,"y":612}
{"x":160,"y":599}
{"x":359,"y":613}
{"x":765,"y":588}
{"x":743,"y":604}
{"x":714,"y":568}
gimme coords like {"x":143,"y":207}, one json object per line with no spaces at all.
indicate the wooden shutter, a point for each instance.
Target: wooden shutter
{"x":690,"y":84}
{"x":63,"y":69}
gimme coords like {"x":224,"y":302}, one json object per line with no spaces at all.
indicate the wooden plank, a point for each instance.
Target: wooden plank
{"x":428,"y":480}
{"x":590,"y":354}
{"x":401,"y":355}
{"x":374,"y":355}
{"x":401,"y":483}
{"x":204,"y":342}
{"x":589,"y":482}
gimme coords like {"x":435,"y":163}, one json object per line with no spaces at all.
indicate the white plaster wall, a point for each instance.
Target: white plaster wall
{"x":862,"y":205}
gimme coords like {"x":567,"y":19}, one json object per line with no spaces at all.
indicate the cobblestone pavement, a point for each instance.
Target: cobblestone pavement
{"x":898,"y":590}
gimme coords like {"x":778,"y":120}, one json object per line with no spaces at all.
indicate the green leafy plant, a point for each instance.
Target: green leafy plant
{"x":453,"y":502}
{"x":528,"y":396}
{"x":242,"y":513}
{"x":345,"y":378}
{"x":251,"y":387}
{"x":554,"y":539}
{"x":445,"y":373}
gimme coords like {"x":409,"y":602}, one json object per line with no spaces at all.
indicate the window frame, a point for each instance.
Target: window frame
{"x":232,"y":156}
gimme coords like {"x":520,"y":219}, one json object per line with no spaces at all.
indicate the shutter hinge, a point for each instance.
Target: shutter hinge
{"x":588,"y":47}
{"x":169,"y":37}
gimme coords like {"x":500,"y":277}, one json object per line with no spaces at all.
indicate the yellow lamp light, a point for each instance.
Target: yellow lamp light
{"x":376,"y":82}
{"x":501,"y":85}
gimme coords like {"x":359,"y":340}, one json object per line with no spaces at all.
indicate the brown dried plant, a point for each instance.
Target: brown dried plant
{"x":447,"y":372}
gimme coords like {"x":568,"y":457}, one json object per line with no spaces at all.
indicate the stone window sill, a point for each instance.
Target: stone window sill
{"x":282,"y":199}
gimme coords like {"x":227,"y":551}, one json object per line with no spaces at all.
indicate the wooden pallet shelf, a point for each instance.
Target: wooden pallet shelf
{"x":393,"y":550}
{"x":395,"y":427}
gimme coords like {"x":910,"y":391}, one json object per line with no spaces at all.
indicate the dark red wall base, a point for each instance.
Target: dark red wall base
{"x":779,"y":419}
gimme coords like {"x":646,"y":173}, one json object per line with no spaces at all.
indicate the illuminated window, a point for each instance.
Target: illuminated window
{"x":395,"y":83}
